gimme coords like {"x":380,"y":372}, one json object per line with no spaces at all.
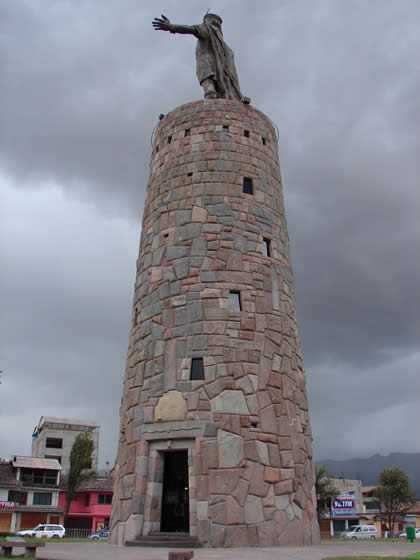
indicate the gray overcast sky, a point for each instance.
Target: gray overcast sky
{"x":82,"y":85}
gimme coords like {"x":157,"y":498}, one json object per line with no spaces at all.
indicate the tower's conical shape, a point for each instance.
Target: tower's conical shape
{"x":215,"y":438}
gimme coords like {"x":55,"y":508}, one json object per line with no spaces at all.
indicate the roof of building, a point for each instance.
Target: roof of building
{"x":368,"y":489}
{"x":101,"y":484}
{"x":37,"y":509}
{"x":7,"y":475}
{"x":98,"y":484}
{"x":58,"y":420}
{"x":36,"y":463}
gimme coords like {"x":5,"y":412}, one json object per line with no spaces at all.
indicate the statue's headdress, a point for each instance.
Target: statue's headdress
{"x":208,"y":14}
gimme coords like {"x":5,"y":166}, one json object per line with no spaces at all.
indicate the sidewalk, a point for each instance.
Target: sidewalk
{"x":103,"y":551}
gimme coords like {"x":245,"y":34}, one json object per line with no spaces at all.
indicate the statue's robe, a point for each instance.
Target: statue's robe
{"x":214,"y":59}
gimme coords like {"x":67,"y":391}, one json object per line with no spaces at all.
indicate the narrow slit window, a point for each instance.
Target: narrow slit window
{"x":266,"y":247}
{"x":225,"y":128}
{"x":246,"y":133}
{"x":190,"y":174}
{"x":234,"y":301}
{"x":197,"y":369}
{"x":248,"y":186}
{"x":187,"y":132}
{"x":263,"y":140}
{"x":169,"y":138}
{"x":157,"y":148}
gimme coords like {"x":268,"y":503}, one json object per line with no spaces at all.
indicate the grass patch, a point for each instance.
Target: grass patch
{"x":415,"y":555}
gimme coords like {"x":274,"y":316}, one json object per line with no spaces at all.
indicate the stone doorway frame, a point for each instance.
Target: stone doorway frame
{"x":153,"y":499}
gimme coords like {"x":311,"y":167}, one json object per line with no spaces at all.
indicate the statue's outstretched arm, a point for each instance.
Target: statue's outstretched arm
{"x":163,"y":24}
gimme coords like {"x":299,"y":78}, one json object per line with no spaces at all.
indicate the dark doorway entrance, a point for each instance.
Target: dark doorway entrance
{"x":175,"y":502}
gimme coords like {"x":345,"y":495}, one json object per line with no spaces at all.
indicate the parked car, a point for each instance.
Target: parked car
{"x":48,"y":531}
{"x":403,"y":534}
{"x":101,"y":535}
{"x":360,"y":532}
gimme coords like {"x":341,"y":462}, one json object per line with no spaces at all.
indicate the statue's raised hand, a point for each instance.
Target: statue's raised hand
{"x":162,"y":24}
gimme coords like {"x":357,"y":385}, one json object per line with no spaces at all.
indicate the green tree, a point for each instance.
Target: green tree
{"x":395,"y":496}
{"x":80,"y":465}
{"x":324,"y":488}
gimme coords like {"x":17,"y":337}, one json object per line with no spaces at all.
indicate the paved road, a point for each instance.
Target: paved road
{"x":103,"y":551}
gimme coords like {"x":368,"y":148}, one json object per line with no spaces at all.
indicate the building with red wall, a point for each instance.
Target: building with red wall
{"x":91,"y":509}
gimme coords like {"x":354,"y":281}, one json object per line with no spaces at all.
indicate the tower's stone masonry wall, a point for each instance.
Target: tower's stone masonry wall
{"x":246,"y":425}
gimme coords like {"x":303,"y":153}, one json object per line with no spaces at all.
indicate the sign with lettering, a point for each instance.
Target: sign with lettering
{"x":343,"y":505}
{"x":7,"y":504}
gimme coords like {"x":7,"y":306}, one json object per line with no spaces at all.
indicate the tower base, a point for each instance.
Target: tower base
{"x":215,"y":436}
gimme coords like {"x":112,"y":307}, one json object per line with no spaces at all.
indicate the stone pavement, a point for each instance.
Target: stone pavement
{"x":103,"y":551}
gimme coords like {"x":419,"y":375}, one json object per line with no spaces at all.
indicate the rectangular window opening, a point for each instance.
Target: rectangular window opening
{"x":246,"y":133}
{"x":266,"y":247}
{"x":248,"y":186}
{"x":13,"y":496}
{"x":157,"y":148}
{"x":187,"y":132}
{"x":169,"y":138}
{"x":87,"y":499}
{"x":42,"y":499}
{"x":190,"y":174}
{"x":263,"y":140}
{"x":225,"y":128}
{"x":104,"y":499}
{"x":54,"y":443}
{"x":197,"y":369}
{"x":234,"y":301}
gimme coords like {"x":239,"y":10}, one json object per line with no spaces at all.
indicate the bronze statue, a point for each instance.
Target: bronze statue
{"x":216,"y":70}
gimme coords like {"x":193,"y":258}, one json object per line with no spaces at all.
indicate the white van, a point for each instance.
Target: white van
{"x":49,"y":531}
{"x":360,"y":532}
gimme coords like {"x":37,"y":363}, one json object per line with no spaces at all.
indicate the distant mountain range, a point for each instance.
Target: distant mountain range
{"x":367,"y":470}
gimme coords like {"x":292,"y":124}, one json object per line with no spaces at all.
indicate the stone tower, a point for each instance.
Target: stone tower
{"x":215,"y":439}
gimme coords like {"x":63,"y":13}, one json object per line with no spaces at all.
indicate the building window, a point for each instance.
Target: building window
{"x":247,"y":186}
{"x":13,"y":496}
{"x":225,"y":128}
{"x":42,"y":499}
{"x":87,"y":499}
{"x":234,"y":301}
{"x":169,"y":138}
{"x":187,"y":132}
{"x":54,"y":443}
{"x":263,"y":140}
{"x":38,"y":476}
{"x":104,"y":499}
{"x":266,"y":247}
{"x":246,"y":133}
{"x":197,"y":369}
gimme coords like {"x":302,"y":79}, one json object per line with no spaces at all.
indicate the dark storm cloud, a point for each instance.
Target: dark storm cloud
{"x":82,"y":88}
